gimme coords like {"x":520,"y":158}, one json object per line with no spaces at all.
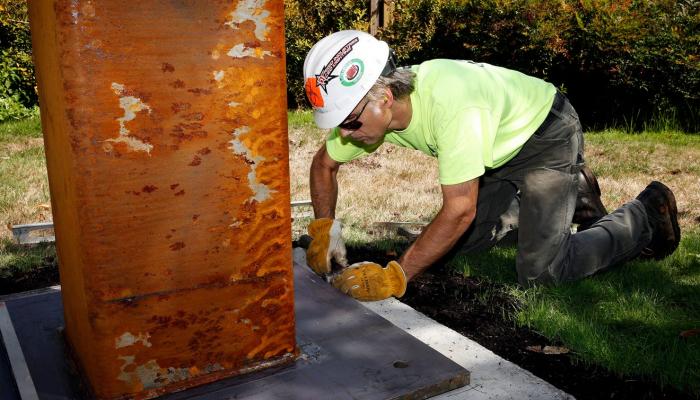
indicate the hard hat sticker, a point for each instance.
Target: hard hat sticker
{"x":325,"y":76}
{"x":352,"y":72}
{"x":313,"y":93}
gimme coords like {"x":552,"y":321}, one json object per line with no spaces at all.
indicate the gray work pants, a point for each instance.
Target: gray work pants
{"x":535,"y":193}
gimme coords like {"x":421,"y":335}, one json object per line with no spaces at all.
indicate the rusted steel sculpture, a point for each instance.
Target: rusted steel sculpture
{"x":166,"y":142}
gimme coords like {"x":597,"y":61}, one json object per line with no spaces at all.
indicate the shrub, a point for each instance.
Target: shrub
{"x":17,"y":86}
{"x":620,"y":61}
{"x":308,"y":21}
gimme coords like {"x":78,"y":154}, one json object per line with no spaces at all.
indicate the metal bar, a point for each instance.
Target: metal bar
{"x":18,"y":229}
{"x":34,"y":226}
{"x":25,"y":385}
{"x":22,"y":233}
{"x":300,"y":203}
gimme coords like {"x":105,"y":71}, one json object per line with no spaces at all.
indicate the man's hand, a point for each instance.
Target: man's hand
{"x":368,"y":281}
{"x":327,"y":244}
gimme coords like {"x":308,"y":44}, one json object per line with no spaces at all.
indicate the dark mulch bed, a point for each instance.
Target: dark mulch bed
{"x":453,"y":300}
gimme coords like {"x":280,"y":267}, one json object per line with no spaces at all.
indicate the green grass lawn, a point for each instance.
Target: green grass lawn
{"x":13,"y":130}
{"x":24,"y":192}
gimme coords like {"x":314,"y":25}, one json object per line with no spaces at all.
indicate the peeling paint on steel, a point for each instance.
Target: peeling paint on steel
{"x":261,"y":191}
{"x":233,"y":104}
{"x":240,"y":50}
{"x":251,"y":10}
{"x":131,"y":105}
{"x":151,"y":375}
{"x":218,"y":75}
{"x":128,"y":339}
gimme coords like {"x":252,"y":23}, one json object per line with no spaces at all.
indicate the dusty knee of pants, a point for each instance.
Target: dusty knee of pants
{"x":546,"y":209}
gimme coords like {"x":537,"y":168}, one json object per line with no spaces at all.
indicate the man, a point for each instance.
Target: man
{"x":510,"y":156}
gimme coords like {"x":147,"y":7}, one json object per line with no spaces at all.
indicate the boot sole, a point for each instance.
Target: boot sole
{"x":592,"y":182}
{"x":673,"y":215}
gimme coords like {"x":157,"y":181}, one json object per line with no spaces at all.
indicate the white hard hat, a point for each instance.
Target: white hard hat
{"x":339,"y":71}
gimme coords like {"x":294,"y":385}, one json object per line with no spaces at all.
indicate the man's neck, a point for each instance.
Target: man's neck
{"x":401,"y":113}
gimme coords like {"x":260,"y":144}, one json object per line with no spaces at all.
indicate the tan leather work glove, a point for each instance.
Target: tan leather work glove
{"x":327,"y":244}
{"x":368,"y":281}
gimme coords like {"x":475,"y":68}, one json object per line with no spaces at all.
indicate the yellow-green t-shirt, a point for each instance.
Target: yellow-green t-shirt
{"x":471,"y":116}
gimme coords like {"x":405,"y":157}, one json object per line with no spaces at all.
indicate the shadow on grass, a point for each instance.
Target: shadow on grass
{"x":27,"y":267}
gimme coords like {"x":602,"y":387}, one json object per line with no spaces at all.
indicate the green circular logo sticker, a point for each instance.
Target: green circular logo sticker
{"x":352,"y":72}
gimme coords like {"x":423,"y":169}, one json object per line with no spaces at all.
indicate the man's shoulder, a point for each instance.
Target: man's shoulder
{"x":445,"y":78}
{"x":445,"y":88}
{"x":449,"y":66}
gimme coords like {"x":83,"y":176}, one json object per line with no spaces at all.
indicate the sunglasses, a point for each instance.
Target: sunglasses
{"x":354,"y":124}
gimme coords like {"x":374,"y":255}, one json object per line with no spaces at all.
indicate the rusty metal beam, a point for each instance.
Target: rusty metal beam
{"x":166,"y":142}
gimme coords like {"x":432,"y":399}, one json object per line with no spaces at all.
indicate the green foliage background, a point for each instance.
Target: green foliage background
{"x":622,"y":62}
{"x":18,"y":97}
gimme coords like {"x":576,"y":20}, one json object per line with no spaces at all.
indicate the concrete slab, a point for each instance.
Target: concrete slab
{"x":492,"y":377}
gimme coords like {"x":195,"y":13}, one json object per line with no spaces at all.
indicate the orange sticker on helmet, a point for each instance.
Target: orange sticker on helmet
{"x":313,"y":93}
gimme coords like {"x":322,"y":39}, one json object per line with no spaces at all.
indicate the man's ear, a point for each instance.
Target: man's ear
{"x":388,"y":99}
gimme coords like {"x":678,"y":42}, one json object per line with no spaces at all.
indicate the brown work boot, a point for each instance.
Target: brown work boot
{"x":589,"y":208}
{"x":662,"y":214}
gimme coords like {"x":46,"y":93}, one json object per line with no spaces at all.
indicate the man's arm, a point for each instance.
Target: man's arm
{"x":327,"y":241}
{"x":324,"y":184}
{"x":456,"y":215}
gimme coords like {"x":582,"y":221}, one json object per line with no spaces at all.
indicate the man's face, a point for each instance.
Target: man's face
{"x":366,"y":123}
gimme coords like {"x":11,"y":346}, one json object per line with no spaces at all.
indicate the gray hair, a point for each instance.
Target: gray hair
{"x":400,"y":82}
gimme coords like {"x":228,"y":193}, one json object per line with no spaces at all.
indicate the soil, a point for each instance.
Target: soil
{"x":42,"y":276}
{"x":454,"y":301}
{"x":458,"y":302}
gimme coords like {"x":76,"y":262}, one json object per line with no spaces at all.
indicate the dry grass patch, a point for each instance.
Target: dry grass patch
{"x":24,"y":188}
{"x":392,"y":184}
{"x":22,"y":144}
{"x":625,"y":167}
{"x":397,"y":184}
